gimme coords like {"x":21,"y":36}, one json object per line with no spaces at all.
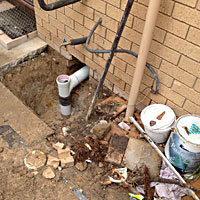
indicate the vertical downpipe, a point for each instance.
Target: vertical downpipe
{"x":147,"y":36}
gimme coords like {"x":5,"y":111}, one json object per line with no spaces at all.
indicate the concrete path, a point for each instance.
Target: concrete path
{"x":12,"y":57}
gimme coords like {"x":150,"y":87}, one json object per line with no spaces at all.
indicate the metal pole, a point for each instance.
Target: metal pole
{"x":114,"y":47}
{"x":162,"y":155}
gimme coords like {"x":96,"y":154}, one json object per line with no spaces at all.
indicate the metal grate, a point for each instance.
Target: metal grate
{"x":16,"y":22}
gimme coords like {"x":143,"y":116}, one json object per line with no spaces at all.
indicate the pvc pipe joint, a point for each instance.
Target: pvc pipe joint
{"x":66,"y":84}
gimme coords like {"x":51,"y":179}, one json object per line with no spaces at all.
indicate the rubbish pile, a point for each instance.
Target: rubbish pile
{"x":127,"y":158}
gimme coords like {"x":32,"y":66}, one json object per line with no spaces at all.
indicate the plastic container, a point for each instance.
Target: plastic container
{"x":158,"y":132}
{"x":183,"y":146}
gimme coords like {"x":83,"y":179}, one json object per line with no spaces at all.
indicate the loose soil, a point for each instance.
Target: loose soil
{"x":33,"y":82}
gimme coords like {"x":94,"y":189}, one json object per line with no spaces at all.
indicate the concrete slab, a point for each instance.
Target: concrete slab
{"x":27,"y":50}
{"x":21,"y":119}
{"x":140,"y":152}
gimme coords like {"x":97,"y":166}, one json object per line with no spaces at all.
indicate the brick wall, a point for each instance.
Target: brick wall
{"x":174,"y":54}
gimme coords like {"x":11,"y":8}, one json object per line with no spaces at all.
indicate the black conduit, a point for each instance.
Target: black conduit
{"x":121,"y":51}
{"x":55,"y":5}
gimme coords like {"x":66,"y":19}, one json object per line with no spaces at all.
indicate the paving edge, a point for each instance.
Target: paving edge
{"x":24,"y":58}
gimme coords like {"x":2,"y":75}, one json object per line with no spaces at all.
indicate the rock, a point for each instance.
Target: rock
{"x":139,"y":152}
{"x":53,"y":161}
{"x":100,"y":164}
{"x":101,"y":130}
{"x":58,"y":145}
{"x":1,"y":149}
{"x":65,"y":131}
{"x":48,"y":173}
{"x":35,"y":160}
{"x":65,"y":158}
{"x":35,"y":173}
{"x":81,"y":166}
{"x":43,"y":54}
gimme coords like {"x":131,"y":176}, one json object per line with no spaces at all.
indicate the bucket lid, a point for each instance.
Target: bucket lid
{"x":188,"y":126}
{"x":160,"y":115}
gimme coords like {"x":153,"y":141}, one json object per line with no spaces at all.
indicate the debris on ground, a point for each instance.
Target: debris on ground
{"x":1,"y":149}
{"x":135,"y":196}
{"x":79,"y":194}
{"x":118,"y":175}
{"x":124,"y":126}
{"x":53,"y":161}
{"x":65,"y":158}
{"x":35,"y":160}
{"x":170,"y":191}
{"x":101,"y":129}
{"x":58,"y":145}
{"x":81,"y":166}
{"x":48,"y":173}
{"x":116,"y":149}
{"x":138,"y":153}
{"x":96,"y":154}
{"x":65,"y":131}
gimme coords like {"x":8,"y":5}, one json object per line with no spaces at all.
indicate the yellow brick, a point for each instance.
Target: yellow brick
{"x":119,"y":63}
{"x":198,"y":5}
{"x":197,"y":85}
{"x":122,"y":75}
{"x":166,"y":6}
{"x":73,"y":34}
{"x":74,"y":15}
{"x":187,"y":92}
{"x":130,"y":70}
{"x":186,"y":14}
{"x":82,"y":49}
{"x":190,"y":66}
{"x":42,"y":14}
{"x":81,"y":29}
{"x":114,"y":12}
{"x":120,"y":92}
{"x":39,"y":20}
{"x":191,"y":108}
{"x":171,"y":95}
{"x":153,"y":60}
{"x":183,"y":46}
{"x":165,"y":52}
{"x":102,"y":42}
{"x":158,"y":35}
{"x":106,"y":21}
{"x":132,"y":35}
{"x":177,"y":73}
{"x":50,"y":28}
{"x":163,"y":77}
{"x":172,"y":25}
{"x":191,"y":3}
{"x":177,"y":109}
{"x":43,"y":31}
{"x":98,"y":5}
{"x":194,"y":36}
{"x":77,"y":54}
{"x":83,"y":9}
{"x":115,"y":3}
{"x":56,"y":23}
{"x":65,"y":20}
{"x":88,"y":23}
{"x":139,"y":10}
{"x":127,"y":58}
{"x":116,"y":81}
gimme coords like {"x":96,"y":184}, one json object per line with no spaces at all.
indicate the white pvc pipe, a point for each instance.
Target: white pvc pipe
{"x":65,"y":86}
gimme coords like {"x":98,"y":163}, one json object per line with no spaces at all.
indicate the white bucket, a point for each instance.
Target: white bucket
{"x":183,"y":146}
{"x":158,"y":132}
